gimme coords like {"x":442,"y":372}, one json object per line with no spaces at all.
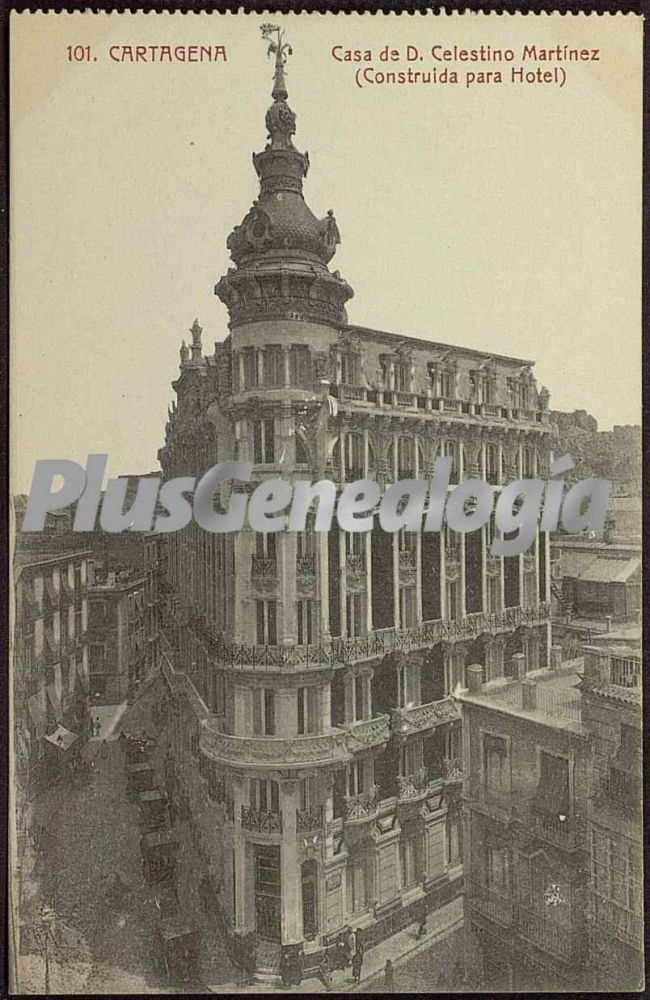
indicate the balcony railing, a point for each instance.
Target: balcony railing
{"x":413,"y":720}
{"x":407,"y":559}
{"x":240,"y":656}
{"x":355,"y":564}
{"x":490,"y":902}
{"x":561,"y":831}
{"x":306,"y":565}
{"x":273,"y":751}
{"x":351,"y":394}
{"x":264,"y":568}
{"x":452,"y":769}
{"x":412,"y":786}
{"x":557,"y":939}
{"x":310,"y":819}
{"x":261,"y":820}
{"x":367,"y":733}
{"x":362,"y":807}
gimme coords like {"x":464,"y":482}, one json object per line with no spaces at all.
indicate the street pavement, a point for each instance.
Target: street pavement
{"x":92,"y":833}
{"x":101,"y":945}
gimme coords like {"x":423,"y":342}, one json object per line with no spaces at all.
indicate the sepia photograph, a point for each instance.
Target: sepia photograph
{"x":325,"y":449}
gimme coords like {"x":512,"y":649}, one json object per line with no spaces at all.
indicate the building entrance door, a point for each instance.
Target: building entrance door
{"x":309,"y":900}
{"x":268,"y":919}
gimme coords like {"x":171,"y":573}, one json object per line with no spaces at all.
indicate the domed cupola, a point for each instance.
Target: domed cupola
{"x":280,"y":249}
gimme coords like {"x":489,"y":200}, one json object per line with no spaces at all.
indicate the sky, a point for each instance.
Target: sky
{"x":503,"y":218}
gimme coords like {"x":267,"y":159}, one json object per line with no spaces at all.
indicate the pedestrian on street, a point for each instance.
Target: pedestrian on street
{"x":389,"y":978}
{"x":357,"y":960}
{"x":104,"y":749}
{"x":323,"y":972}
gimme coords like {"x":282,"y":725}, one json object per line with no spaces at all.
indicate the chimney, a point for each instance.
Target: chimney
{"x":474,"y":678}
{"x":518,"y":666}
{"x":608,"y":619}
{"x":528,"y":695}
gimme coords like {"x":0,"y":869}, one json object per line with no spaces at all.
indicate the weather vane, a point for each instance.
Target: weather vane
{"x":274,"y":35}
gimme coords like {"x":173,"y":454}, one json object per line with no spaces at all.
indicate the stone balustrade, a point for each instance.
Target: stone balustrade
{"x":405,"y":721}
{"x":273,"y":751}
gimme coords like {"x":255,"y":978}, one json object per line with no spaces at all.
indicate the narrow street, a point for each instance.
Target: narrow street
{"x":98,"y":945}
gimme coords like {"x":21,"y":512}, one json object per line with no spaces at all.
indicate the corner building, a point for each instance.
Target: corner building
{"x":316,"y":737}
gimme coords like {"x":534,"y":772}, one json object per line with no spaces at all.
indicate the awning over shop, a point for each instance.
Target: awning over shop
{"x":62,"y":738}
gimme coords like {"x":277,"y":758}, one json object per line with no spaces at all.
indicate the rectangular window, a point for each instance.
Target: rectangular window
{"x":273,"y":366}
{"x":354,"y":463}
{"x":300,"y":364}
{"x":263,"y":442}
{"x":307,"y":710}
{"x":497,"y":868}
{"x":552,"y":795}
{"x":265,"y":544}
{"x":492,"y":464}
{"x":358,"y":697}
{"x":496,"y":765}
{"x":407,"y":610}
{"x":264,"y":795}
{"x":305,"y":620}
{"x":250,"y":367}
{"x":357,"y":777}
{"x":454,"y":839}
{"x":355,"y":542}
{"x":307,"y":793}
{"x":355,"y":880}
{"x":266,"y":623}
{"x":350,"y":369}
{"x":446,"y":385}
{"x":263,"y":712}
{"x":403,"y":378}
{"x":411,"y":858}
{"x":354,"y":610}
{"x":494,"y":594}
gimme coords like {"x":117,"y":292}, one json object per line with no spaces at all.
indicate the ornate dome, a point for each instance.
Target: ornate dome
{"x":280,"y":235}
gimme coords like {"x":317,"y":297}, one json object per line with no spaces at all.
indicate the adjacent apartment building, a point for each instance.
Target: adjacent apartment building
{"x":119,"y":614}
{"x":50,"y":674}
{"x":553,"y":828}
{"x":316,"y":735}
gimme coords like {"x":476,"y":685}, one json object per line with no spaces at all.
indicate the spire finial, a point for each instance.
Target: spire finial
{"x":274,"y":35}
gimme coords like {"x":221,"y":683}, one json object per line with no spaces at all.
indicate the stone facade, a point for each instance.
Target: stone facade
{"x":553,"y":860}
{"x":117,"y":635}
{"x":50,"y":654}
{"x":316,"y":734}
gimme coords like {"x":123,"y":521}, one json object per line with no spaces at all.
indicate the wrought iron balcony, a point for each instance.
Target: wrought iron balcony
{"x":261,"y":820}
{"x":566,"y":941}
{"x":452,"y":769}
{"x":273,"y":751}
{"x":310,"y":819}
{"x":407,"y":559}
{"x":277,"y":658}
{"x":362,"y":807}
{"x":420,"y":717}
{"x":490,"y":902}
{"x":560,"y":830}
{"x":412,"y":786}
{"x":263,"y":568}
{"x":306,"y":565}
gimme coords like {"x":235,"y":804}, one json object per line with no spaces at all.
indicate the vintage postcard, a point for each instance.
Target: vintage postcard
{"x":326,"y":499}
